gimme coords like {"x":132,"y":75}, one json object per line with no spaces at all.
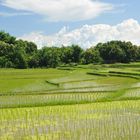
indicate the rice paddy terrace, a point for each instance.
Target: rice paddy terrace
{"x":91,"y":102}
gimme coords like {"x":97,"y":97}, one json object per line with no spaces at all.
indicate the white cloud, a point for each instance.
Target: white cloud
{"x":6,"y":14}
{"x":61,"y":10}
{"x":88,"y":35}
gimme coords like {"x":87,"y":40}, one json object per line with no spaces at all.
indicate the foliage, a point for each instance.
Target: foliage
{"x":91,"y":56}
{"x":23,"y":54}
{"x":49,"y":57}
{"x":118,"y":51}
{"x":7,"y":38}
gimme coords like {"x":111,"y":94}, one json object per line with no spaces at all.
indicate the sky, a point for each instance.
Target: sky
{"x":66,"y":22}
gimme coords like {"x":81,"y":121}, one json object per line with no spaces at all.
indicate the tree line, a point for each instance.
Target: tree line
{"x":23,"y":54}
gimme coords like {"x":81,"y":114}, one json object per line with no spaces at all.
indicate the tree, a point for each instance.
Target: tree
{"x":71,"y":54}
{"x":76,"y":53}
{"x":23,"y":54}
{"x":29,"y":47}
{"x":20,"y":61}
{"x":5,"y":48}
{"x":66,"y":54}
{"x":91,"y":56}
{"x":117,"y":51}
{"x":7,"y":38}
{"x":33,"y":61}
{"x":138,"y":53}
{"x":130,"y":51}
{"x":49,"y":57}
{"x":3,"y":61}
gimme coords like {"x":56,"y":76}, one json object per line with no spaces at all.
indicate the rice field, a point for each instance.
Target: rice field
{"x":91,"y":102}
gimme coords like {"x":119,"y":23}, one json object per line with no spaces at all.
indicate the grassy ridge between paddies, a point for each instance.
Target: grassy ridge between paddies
{"x":68,"y":103}
{"x":70,"y":87}
{"x":27,"y":80}
{"x":41,"y":87}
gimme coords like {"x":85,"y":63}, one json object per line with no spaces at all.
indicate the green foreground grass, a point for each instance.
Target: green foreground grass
{"x":90,"y":102}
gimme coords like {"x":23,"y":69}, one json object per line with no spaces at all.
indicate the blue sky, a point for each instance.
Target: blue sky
{"x":24,"y":17}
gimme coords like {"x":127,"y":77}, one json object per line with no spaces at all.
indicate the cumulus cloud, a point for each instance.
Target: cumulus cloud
{"x":89,"y":35}
{"x":61,"y":10}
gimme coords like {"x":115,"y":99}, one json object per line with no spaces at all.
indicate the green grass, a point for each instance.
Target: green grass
{"x":85,"y":102}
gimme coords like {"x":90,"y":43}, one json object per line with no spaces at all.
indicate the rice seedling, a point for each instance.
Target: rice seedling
{"x":110,"y":120}
{"x":69,"y":104}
